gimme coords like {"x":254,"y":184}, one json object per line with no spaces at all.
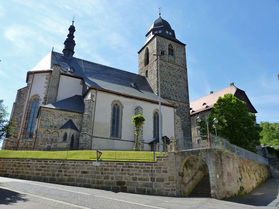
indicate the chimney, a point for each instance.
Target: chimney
{"x":211,"y":92}
{"x":232,"y":84}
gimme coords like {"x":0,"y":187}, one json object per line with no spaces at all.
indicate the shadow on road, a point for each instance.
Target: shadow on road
{"x":9,"y":197}
{"x":261,"y":196}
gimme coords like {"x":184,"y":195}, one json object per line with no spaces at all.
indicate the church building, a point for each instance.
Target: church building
{"x":70,"y":103}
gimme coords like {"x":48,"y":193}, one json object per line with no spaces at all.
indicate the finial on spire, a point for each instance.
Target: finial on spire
{"x":159,"y":11}
{"x":73,"y":20}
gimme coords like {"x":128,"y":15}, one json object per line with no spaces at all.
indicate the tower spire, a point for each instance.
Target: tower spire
{"x":69,"y":43}
{"x":159,"y":11}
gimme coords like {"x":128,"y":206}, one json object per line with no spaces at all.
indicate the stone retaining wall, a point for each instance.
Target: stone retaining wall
{"x":229,"y":175}
{"x":136,"y":177}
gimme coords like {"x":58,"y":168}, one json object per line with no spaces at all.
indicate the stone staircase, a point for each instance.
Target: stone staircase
{"x":202,"y":189}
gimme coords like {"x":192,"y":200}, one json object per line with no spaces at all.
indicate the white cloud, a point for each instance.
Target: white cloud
{"x":23,"y":37}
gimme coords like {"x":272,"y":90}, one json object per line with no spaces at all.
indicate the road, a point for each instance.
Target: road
{"x":16,"y":193}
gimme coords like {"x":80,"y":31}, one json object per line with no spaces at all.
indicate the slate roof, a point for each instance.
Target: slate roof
{"x":100,"y":76}
{"x":74,"y":104}
{"x":161,"y":27}
{"x":207,"y":102}
{"x":69,"y":124}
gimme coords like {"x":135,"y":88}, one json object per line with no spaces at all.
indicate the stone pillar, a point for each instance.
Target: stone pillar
{"x":86,"y":133}
{"x":53,"y":84}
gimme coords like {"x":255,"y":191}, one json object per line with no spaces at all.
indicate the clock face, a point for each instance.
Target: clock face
{"x":64,"y":66}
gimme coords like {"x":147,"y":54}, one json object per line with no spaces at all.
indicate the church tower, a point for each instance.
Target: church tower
{"x":161,"y":40}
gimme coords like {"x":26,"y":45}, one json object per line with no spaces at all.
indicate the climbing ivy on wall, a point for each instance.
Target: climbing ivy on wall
{"x":138,"y":121}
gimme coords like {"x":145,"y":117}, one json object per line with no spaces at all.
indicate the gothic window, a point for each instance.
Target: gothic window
{"x":116,"y":117}
{"x":65,"y":137}
{"x":146,"y":57}
{"x":170,"y":53}
{"x":32,"y":117}
{"x":72,"y":142}
{"x":146,"y":73}
{"x":156,"y":125}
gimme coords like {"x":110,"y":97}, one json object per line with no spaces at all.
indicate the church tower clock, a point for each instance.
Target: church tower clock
{"x":160,"y":39}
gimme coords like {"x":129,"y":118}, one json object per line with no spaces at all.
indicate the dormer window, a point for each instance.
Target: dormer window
{"x":170,"y":53}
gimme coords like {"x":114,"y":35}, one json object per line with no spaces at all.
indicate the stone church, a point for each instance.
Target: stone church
{"x":70,"y":103}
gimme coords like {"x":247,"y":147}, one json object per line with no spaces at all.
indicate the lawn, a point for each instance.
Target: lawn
{"x":138,"y":156}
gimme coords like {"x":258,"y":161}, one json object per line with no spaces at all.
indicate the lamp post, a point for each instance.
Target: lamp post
{"x":215,"y":121}
{"x":159,"y":99}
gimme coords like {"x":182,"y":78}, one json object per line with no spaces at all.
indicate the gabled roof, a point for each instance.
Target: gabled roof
{"x":74,"y":104}
{"x":100,"y":76}
{"x":69,"y":125}
{"x":207,"y":102}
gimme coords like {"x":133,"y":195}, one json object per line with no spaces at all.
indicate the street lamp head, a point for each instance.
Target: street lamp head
{"x":198,"y":119}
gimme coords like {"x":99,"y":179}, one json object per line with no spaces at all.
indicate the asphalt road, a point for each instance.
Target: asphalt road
{"x":15,"y":193}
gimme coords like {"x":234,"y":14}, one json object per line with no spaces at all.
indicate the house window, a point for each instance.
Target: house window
{"x":146,"y":57}
{"x":170,"y":53}
{"x":116,"y":117}
{"x":32,"y":118}
{"x":65,"y":137}
{"x":156,"y":125}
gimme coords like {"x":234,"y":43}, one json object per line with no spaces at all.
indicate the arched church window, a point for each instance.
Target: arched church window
{"x":146,"y":73}
{"x":72,"y":142}
{"x":32,"y":117}
{"x":170,"y":53}
{"x":146,"y":57}
{"x":65,"y":137}
{"x":116,"y":117}
{"x":156,"y":125}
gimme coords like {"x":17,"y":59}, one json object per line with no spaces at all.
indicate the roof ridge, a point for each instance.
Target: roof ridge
{"x":128,"y":72}
{"x":214,"y":93}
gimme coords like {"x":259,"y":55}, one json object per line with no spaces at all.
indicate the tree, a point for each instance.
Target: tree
{"x":235,"y":123}
{"x":269,"y":134}
{"x":138,"y":121}
{"x":7,"y":128}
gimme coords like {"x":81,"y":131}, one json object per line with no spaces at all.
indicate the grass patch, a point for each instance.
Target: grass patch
{"x":83,"y":155}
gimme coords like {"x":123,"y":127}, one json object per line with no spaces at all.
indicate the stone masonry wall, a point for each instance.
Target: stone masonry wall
{"x":18,"y":107}
{"x":174,"y":83}
{"x":135,"y":177}
{"x":49,"y":135}
{"x":229,"y":175}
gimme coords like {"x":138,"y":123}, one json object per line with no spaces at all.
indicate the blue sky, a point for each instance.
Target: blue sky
{"x":227,"y":41}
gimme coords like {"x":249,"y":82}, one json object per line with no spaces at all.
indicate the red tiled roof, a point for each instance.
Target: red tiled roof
{"x":207,"y":102}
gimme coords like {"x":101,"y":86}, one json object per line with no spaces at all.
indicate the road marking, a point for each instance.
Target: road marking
{"x":53,"y":187}
{"x":42,"y":185}
{"x":45,"y":198}
{"x":125,"y":201}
